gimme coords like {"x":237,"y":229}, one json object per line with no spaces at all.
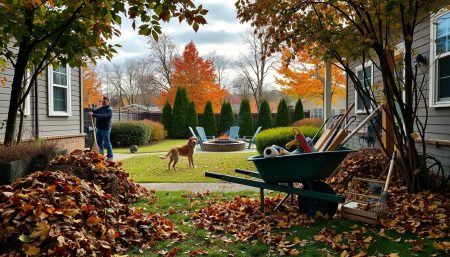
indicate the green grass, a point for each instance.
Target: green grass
{"x":212,"y":242}
{"x":161,"y":146}
{"x":150,"y":168}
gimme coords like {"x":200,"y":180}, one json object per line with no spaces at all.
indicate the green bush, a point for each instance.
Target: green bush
{"x":192,"y":116}
{"x":157,"y":130}
{"x":264,"y":116}
{"x":226,"y":117}
{"x":166,"y":118}
{"x":127,"y":133}
{"x":298,"y":111}
{"x":281,"y":136}
{"x":245,"y":119}
{"x":179,"y":114}
{"x":209,"y":120}
{"x":282,"y":118}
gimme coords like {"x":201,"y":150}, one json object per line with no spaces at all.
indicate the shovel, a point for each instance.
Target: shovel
{"x":332,"y":134}
{"x":340,"y":135}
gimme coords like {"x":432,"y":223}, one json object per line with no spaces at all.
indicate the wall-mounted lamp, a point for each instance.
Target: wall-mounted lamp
{"x":420,"y":60}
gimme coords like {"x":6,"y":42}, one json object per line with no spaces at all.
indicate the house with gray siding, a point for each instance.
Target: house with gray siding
{"x":432,"y":40}
{"x":53,"y":109}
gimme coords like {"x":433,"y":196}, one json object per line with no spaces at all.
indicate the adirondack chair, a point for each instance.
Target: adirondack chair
{"x":234,"y":132}
{"x":251,"y":139}
{"x":192,"y":132}
{"x":202,"y":136}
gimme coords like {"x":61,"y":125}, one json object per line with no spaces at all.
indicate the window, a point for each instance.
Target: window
{"x":317,"y":113}
{"x":365,"y":76}
{"x":440,"y":59}
{"x":59,"y":90}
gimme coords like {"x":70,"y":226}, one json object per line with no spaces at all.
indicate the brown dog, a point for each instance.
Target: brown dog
{"x":187,"y":150}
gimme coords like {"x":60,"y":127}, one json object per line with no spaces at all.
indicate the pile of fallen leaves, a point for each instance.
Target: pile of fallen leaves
{"x":242,"y":218}
{"x":366,"y":163}
{"x":349,"y":243}
{"x":425,"y":213}
{"x":109,"y":175}
{"x":54,"y":213}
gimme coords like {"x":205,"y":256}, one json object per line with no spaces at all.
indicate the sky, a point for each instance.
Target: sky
{"x":222,"y":34}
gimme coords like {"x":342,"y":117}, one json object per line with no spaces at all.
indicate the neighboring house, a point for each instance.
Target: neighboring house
{"x":432,"y":40}
{"x":140,"y":108}
{"x":54,"y":111}
{"x":314,"y":105}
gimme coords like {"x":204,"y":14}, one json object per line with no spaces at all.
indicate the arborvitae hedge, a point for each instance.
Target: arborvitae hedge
{"x":245,"y":119}
{"x":209,"y":120}
{"x":264,"y":116}
{"x":179,"y":114}
{"x":282,"y":119}
{"x":298,"y":111}
{"x":192,"y":117}
{"x":226,"y":117}
{"x":166,"y":118}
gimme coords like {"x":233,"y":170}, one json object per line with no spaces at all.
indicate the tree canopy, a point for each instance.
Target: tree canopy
{"x":198,"y":76}
{"x":37,"y":33}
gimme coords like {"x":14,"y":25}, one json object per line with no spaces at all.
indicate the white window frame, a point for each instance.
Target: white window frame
{"x":51,"y":111}
{"x":313,"y":113}
{"x":27,"y":102}
{"x":400,"y":50}
{"x":433,"y":97}
{"x":357,"y":69}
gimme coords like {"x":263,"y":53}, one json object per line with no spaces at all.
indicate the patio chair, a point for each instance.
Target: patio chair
{"x":234,"y":132}
{"x":192,"y":132}
{"x":251,"y":139}
{"x":202,"y":136}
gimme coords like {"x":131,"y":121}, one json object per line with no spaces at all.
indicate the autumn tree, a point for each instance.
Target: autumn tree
{"x":358,"y":31}
{"x":36,"y":34}
{"x":282,"y":118}
{"x":180,"y":114}
{"x":92,"y":87}
{"x":245,"y":121}
{"x":304,"y":77}
{"x":264,"y":115}
{"x":197,"y":75}
{"x":166,"y":118}
{"x":192,"y":116}
{"x":209,"y":120}
{"x":226,"y":117}
{"x":298,"y":111}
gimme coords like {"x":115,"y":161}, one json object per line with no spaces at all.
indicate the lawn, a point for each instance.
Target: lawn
{"x":161,"y":146}
{"x":177,"y":208}
{"x":150,"y":168}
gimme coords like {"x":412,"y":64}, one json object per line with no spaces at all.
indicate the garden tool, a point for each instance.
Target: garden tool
{"x":94,"y":147}
{"x":318,"y":131}
{"x":361,"y":125}
{"x":322,"y":139}
{"x":335,"y":130}
{"x":340,"y":135}
{"x":381,"y":207}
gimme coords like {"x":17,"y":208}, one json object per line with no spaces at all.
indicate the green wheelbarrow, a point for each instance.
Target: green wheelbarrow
{"x":281,"y":172}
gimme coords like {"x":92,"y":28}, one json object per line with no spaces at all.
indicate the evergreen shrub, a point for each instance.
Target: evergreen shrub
{"x":280,"y":136}
{"x":127,"y":133}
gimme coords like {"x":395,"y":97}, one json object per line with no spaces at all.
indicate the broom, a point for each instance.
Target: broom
{"x":94,"y":147}
{"x":381,"y":207}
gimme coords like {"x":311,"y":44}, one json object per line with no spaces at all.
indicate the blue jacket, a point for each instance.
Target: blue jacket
{"x":104,"y":116}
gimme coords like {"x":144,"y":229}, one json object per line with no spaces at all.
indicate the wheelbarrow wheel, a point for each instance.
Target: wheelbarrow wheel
{"x":312,"y":205}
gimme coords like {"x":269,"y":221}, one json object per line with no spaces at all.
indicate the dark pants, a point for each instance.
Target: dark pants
{"x":103,"y":141}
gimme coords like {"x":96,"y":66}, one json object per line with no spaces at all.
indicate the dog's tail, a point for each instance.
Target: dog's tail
{"x":166,"y":156}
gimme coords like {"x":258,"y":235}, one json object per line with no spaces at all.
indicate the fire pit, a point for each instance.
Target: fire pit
{"x":223,"y":144}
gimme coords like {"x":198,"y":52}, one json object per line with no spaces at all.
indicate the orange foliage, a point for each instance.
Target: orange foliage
{"x":197,"y":76}
{"x":92,"y":87}
{"x":303,"y":77}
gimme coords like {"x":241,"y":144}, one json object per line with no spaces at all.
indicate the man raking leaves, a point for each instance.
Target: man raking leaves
{"x":103,"y":117}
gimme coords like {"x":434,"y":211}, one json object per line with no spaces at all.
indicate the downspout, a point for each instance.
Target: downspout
{"x":346,"y":93}
{"x":81,"y":100}
{"x":36,"y":108}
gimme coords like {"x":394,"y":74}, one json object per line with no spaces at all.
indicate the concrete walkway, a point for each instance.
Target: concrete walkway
{"x":198,"y":187}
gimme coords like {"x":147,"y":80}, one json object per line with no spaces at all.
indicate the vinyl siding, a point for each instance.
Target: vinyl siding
{"x":48,"y":125}
{"x":438,"y":126}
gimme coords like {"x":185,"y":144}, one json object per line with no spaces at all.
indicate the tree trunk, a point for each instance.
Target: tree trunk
{"x":20,"y":129}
